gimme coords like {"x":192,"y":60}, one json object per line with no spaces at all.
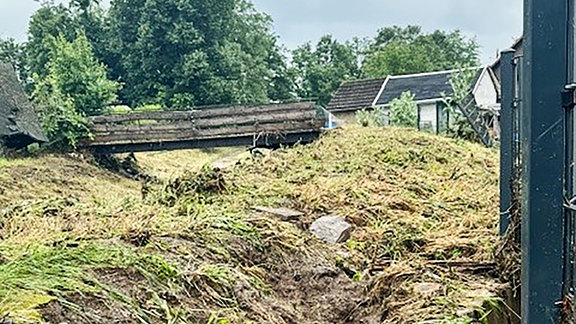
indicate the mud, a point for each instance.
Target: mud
{"x":86,"y":308}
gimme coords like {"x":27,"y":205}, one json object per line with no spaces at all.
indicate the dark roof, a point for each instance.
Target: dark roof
{"x":19,"y":124}
{"x":356,"y":95}
{"x":424,"y":86}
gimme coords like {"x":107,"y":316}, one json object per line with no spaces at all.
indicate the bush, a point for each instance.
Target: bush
{"x":75,"y":87}
{"x":63,"y":125}
{"x":372,"y":118}
{"x":404,"y":111}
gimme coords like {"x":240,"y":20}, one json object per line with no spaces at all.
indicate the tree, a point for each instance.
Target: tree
{"x":462,"y":82}
{"x":13,"y":53}
{"x":49,"y":21}
{"x":320,"y":70}
{"x":75,"y":86}
{"x":408,"y":50}
{"x":404,"y":111}
{"x":188,"y":53}
{"x":74,"y":71}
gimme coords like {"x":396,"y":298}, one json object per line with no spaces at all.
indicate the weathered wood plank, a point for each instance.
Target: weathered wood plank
{"x":144,"y":137}
{"x":202,"y":113}
{"x":206,"y":123}
{"x":158,"y":115}
{"x":250,"y":110}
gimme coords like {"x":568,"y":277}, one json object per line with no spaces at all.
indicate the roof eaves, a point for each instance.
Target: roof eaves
{"x":477,"y":84}
{"x":419,"y":102}
{"x":381,"y":91}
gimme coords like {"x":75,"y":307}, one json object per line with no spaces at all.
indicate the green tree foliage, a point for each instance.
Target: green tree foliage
{"x":51,"y":20}
{"x":75,"y":86}
{"x":404,"y":111}
{"x":73,"y":70}
{"x":320,"y":70}
{"x":186,"y":53}
{"x":398,"y":50}
{"x":12,"y":53}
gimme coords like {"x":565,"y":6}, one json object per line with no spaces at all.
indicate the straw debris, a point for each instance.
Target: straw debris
{"x":194,"y":250}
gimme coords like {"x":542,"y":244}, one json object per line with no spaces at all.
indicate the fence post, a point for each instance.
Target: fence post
{"x":542,"y":130}
{"x":507,"y":137}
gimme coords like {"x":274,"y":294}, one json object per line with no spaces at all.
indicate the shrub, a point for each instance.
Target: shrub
{"x":75,"y":87}
{"x":63,"y":125}
{"x":404,"y":111}
{"x":372,"y":118}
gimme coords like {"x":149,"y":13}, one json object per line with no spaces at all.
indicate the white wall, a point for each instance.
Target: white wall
{"x":485,"y":94}
{"x":428,"y":116}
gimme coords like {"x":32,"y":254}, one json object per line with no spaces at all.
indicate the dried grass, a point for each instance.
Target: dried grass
{"x":424,"y":207}
{"x":415,"y":199}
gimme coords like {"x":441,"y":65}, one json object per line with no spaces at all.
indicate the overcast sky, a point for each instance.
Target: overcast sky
{"x":495,"y":23}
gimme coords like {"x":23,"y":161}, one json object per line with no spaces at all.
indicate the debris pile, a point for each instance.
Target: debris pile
{"x":409,"y":237}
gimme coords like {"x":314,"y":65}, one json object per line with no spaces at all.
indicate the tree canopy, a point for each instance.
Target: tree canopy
{"x":320,"y":69}
{"x":398,"y":50}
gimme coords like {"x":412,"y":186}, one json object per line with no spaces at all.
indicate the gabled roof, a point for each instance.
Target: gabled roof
{"x":424,"y":86}
{"x":356,"y":95}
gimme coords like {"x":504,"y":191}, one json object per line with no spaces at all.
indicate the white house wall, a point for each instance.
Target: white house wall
{"x":485,"y":92}
{"x":428,"y":116}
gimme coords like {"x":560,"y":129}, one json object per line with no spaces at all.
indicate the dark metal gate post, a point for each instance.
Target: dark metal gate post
{"x":507,"y":138}
{"x":542,"y":131}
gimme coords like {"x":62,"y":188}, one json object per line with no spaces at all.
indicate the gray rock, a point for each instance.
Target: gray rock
{"x":331,"y":229}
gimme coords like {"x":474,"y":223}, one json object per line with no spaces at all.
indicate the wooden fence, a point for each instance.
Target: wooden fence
{"x":153,"y":128}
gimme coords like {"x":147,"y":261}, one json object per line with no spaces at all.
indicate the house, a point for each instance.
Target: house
{"x":518,"y":46}
{"x":429,"y":90}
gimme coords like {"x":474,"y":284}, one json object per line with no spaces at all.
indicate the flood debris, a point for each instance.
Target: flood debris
{"x":196,"y":243}
{"x":332,"y":229}
{"x":285,"y":214}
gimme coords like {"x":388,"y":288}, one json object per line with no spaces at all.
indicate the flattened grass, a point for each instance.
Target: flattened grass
{"x":420,"y":204}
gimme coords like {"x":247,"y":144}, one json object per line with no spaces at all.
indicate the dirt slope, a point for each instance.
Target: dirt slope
{"x":82,"y":245}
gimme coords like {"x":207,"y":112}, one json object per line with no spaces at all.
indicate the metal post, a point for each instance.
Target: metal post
{"x":507,"y":138}
{"x":542,"y":131}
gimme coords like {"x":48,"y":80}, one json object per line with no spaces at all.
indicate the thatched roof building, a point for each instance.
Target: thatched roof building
{"x":19,"y":123}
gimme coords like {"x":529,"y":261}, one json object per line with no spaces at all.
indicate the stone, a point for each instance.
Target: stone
{"x":285,"y":214}
{"x":331,"y":229}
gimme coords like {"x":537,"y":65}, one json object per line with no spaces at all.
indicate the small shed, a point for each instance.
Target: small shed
{"x":19,"y":123}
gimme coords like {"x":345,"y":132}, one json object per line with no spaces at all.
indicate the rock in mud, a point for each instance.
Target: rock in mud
{"x":332,"y":229}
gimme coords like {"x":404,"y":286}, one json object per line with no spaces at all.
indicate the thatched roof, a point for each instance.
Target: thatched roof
{"x":19,"y":123}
